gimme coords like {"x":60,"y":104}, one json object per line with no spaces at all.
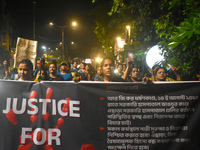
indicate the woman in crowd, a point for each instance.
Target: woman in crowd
{"x":40,"y":75}
{"x":107,"y":65}
{"x":87,"y":74}
{"x":25,"y":70}
{"x":82,"y":68}
{"x":7,"y":68}
{"x":134,"y":75}
{"x":160,"y":74}
{"x":3,"y":72}
{"x":53,"y":76}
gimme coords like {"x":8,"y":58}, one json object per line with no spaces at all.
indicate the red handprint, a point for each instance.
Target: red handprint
{"x":87,"y":147}
{"x":11,"y":117}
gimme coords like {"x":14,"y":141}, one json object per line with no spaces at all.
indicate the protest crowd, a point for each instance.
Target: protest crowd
{"x":106,"y":71}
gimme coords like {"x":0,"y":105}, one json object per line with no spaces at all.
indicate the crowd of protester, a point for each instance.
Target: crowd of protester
{"x":75,"y":71}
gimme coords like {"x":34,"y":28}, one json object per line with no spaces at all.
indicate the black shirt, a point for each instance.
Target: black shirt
{"x":58,"y":78}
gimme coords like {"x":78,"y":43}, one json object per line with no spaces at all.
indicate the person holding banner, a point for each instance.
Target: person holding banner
{"x":25,"y":70}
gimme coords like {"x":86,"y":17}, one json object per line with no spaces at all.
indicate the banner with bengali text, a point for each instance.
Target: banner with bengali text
{"x":99,"y":116}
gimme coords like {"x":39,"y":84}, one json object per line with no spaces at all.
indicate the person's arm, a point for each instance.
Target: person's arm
{"x":178,"y":77}
{"x":77,"y":79}
{"x":127,"y":69}
{"x":9,"y":70}
{"x":147,"y":80}
{"x":176,"y":71}
{"x":6,"y":74}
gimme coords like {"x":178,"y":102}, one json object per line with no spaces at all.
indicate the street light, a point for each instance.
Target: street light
{"x":62,"y":30}
{"x":127,"y":33}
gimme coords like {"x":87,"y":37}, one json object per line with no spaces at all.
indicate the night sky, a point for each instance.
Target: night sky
{"x":61,"y":12}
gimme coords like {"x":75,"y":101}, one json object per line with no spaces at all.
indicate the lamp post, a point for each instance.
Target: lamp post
{"x":63,"y":36}
{"x":34,"y":5}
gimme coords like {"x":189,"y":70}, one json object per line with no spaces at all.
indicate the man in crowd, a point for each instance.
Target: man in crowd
{"x":53,"y":76}
{"x":98,"y":76}
{"x":65,"y":71}
{"x":119,"y":70}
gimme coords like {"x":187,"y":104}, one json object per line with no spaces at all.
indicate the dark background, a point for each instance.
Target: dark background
{"x":60,"y":12}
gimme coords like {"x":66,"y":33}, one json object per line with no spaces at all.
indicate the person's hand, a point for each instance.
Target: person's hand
{"x":174,"y":68}
{"x":128,"y":61}
{"x":77,"y":79}
{"x":146,"y":80}
{"x":150,"y":71}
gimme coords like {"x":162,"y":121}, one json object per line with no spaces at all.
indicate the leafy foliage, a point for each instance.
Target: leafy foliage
{"x":112,"y":16}
{"x":173,"y":24}
{"x":180,"y":36}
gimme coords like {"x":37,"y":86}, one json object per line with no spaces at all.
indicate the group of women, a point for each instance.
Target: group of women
{"x":158,"y":73}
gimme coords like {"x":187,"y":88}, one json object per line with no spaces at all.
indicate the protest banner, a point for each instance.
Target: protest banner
{"x":99,"y":116}
{"x":25,"y":49}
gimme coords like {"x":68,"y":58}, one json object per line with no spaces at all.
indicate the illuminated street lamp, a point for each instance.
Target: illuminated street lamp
{"x":44,"y":47}
{"x":62,"y":30}
{"x":128,"y":28}
{"x":127,"y":33}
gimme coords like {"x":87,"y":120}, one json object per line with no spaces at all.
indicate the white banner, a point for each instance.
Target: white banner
{"x":25,"y":49}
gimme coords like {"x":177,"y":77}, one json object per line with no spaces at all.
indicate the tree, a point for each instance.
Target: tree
{"x":180,"y":37}
{"x":139,"y":14}
{"x":4,"y":54}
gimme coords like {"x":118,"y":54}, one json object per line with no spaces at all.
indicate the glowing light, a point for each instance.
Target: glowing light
{"x":153,"y":56}
{"x":44,"y":47}
{"x":115,"y":71}
{"x":118,"y":39}
{"x":127,"y":27}
{"x":98,"y":60}
{"x":74,"y":23}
